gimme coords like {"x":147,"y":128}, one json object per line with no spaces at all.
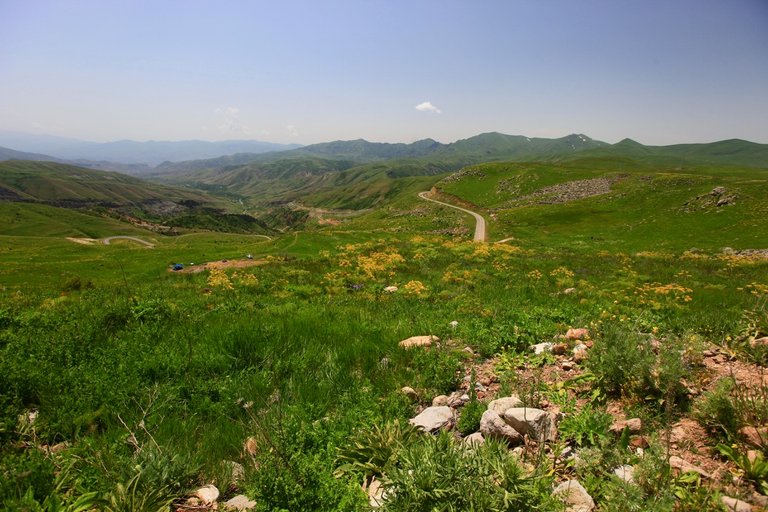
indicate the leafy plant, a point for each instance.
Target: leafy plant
{"x":587,"y":427}
{"x":755,"y":468}
{"x":369,"y":450}
{"x":716,"y":410}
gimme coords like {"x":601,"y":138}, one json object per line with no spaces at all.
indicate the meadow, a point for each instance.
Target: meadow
{"x":126,"y":386}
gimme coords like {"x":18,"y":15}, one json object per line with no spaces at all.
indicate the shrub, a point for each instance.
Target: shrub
{"x":469,"y":421}
{"x":716,"y":411}
{"x":440,"y":474}
{"x":621,"y":360}
{"x":587,"y":427}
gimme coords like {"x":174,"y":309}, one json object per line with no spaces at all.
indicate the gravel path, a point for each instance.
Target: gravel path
{"x":479,"y":226}
{"x":106,"y":241}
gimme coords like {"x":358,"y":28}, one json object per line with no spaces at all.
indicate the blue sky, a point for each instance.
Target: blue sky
{"x":660,"y":72}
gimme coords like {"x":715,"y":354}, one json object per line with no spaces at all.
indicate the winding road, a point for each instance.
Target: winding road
{"x":106,"y":241}
{"x":479,"y":226}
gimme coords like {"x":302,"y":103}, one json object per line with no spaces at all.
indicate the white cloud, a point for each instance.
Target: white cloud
{"x":428,"y":107}
{"x":228,"y":119}
{"x":292,"y":131}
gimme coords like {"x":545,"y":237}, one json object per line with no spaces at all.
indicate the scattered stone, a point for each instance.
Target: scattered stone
{"x":567,"y":365}
{"x":569,"y":291}
{"x":454,"y":324}
{"x":475,"y":439}
{"x":639,"y":442}
{"x":577,"y":334}
{"x":500,"y":405}
{"x":208,"y":494}
{"x":59,"y":447}
{"x":390,"y":289}
{"x":410,"y":393}
{"x":759,"y":342}
{"x":469,"y":351}
{"x":735,"y":505}
{"x":534,"y":423}
{"x":568,"y":453}
{"x":580,"y":353}
{"x":479,"y":386}
{"x":384,"y":363}
{"x":634,"y":425}
{"x":440,"y":401}
{"x":575,"y":496}
{"x":540,"y":348}
{"x":457,"y":400}
{"x":492,"y":425}
{"x":625,"y":473}
{"x":684,"y":466}
{"x":419,"y":341}
{"x":239,"y":502}
{"x":560,"y":349}
{"x":432,"y":419}
{"x":375,"y":493}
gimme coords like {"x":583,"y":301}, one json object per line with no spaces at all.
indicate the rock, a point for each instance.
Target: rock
{"x":410,"y":393}
{"x":440,"y":401}
{"x":567,"y":365}
{"x":634,"y":425}
{"x":684,"y":466}
{"x":735,"y":505}
{"x":239,"y":502}
{"x":580,"y":353}
{"x":468,"y":350}
{"x":390,"y":289}
{"x":419,"y":341}
{"x":384,"y":363}
{"x":577,"y":334}
{"x":500,"y":405}
{"x":433,"y":418}
{"x":540,"y":348}
{"x":759,"y":342}
{"x":560,"y":349}
{"x":479,"y":386}
{"x":492,"y":425}
{"x":753,"y":455}
{"x":755,"y":436}
{"x":575,"y":496}
{"x":236,"y":471}
{"x":250,"y":446}
{"x":208,"y":494}
{"x":59,"y":447}
{"x":457,"y":400}
{"x":569,"y":291}
{"x":639,"y":442}
{"x":474,"y":439}
{"x":534,"y":423}
{"x":454,"y":324}
{"x":375,"y":493}
{"x":625,"y":473}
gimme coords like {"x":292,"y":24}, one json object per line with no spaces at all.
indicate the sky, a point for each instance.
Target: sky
{"x":657,"y":71}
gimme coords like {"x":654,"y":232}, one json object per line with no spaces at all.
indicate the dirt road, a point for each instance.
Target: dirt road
{"x":106,"y":241}
{"x":479,"y":226}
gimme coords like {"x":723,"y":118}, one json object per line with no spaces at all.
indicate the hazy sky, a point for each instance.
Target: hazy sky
{"x":658,"y":71}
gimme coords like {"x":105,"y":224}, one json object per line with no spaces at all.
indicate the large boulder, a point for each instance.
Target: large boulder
{"x":575,"y":496}
{"x":492,"y":425}
{"x":500,"y":405}
{"x":432,"y":419}
{"x":208,"y":494}
{"x":535,"y":423}
{"x":239,"y":502}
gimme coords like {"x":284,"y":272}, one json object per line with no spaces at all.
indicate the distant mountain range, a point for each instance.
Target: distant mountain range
{"x":149,"y":153}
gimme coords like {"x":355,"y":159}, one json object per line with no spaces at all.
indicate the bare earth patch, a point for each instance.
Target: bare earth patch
{"x":223,"y":264}
{"x":83,"y":241}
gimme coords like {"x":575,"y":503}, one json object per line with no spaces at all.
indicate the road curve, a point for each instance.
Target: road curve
{"x":106,"y":241}
{"x":479,"y":226}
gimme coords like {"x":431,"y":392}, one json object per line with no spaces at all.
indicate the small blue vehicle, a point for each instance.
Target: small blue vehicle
{"x":177,"y":266}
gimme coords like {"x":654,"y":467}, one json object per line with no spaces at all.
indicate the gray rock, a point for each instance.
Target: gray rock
{"x":433,"y":418}
{"x":492,"y":425}
{"x":574,"y":496}
{"x":207,"y":494}
{"x":625,"y":473}
{"x":534,"y":423}
{"x":540,"y":348}
{"x":239,"y":502}
{"x":458,"y":399}
{"x":475,"y":439}
{"x":684,"y":466}
{"x":736,"y":505}
{"x":500,"y":405}
{"x":439,"y":401}
{"x":419,"y":341}
{"x":409,"y":392}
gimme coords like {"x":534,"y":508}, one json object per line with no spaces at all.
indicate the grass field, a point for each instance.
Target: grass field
{"x":151,"y":383}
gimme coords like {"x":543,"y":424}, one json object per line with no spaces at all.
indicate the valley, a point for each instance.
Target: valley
{"x":616,"y":293}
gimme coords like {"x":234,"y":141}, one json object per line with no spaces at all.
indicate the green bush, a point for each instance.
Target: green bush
{"x":622,"y":361}
{"x":469,"y":420}
{"x":440,"y":474}
{"x":716,"y":411}
{"x":587,"y":427}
